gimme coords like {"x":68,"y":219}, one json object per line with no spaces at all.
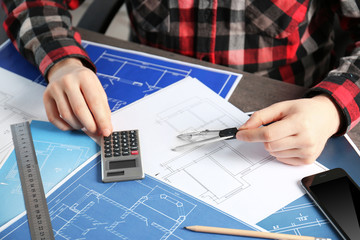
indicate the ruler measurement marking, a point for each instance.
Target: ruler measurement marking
{"x":32,"y":187}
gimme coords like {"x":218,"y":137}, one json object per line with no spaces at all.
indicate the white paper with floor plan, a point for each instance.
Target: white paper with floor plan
{"x":240,"y":178}
{"x":20,"y":100}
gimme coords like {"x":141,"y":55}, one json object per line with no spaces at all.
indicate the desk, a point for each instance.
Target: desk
{"x":253,"y":92}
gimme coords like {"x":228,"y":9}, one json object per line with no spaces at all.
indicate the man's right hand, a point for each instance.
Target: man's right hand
{"x":75,"y":99}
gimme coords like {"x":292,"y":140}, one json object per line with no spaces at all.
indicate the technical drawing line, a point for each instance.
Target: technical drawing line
{"x":142,"y":63}
{"x":226,"y":81}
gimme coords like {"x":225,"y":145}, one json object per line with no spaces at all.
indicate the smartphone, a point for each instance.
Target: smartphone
{"x":338,"y":197}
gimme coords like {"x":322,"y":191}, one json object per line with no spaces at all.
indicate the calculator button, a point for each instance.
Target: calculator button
{"x":108,"y":154}
{"x":135,"y":152}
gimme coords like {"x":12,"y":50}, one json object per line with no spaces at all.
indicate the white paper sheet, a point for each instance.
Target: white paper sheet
{"x":20,"y":100}
{"x":240,"y":178}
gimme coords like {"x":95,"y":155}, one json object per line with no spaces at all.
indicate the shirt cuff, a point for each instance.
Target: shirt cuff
{"x":52,"y":52}
{"x":344,"y":93}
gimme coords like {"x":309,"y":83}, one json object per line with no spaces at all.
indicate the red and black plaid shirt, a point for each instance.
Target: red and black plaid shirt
{"x":289,"y":40}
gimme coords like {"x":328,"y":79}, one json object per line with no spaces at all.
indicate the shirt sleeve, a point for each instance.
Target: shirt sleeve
{"x":42,"y":32}
{"x":343,"y":83}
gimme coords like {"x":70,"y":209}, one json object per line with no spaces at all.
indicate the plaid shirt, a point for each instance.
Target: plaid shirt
{"x":288,"y":40}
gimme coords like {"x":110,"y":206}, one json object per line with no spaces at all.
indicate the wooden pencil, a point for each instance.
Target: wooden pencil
{"x":249,"y":233}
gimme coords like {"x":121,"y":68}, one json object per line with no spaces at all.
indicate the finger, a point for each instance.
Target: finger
{"x":290,"y":153}
{"x":290,"y":161}
{"x":54,"y":116}
{"x":296,"y":161}
{"x":66,"y":112}
{"x":98,"y":104}
{"x":81,"y":110}
{"x":308,"y":155}
{"x":264,"y":116}
{"x":291,"y":142}
{"x":273,"y":132}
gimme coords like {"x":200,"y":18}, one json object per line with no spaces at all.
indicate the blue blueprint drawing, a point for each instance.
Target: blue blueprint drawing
{"x":86,"y":208}
{"x":58,"y":154}
{"x":128,"y":76}
{"x":301,"y":217}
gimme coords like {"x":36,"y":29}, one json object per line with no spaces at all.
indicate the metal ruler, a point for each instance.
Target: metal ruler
{"x":31,"y":183}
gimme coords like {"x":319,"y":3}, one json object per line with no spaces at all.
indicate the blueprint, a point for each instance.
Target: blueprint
{"x":19,"y":101}
{"x":301,"y":217}
{"x":128,"y":75}
{"x":58,"y":154}
{"x":85,"y":208}
{"x":232,"y":175}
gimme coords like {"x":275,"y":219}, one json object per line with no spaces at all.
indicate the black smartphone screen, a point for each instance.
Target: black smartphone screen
{"x":339,"y":197}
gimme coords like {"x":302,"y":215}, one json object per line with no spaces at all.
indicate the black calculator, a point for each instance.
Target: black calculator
{"x":121,"y":157}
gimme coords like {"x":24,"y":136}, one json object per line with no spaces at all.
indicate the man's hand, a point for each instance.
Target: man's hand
{"x":75,"y":99}
{"x":298,"y":129}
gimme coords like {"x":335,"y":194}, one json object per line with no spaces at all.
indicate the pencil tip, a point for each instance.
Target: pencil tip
{"x":190,"y":228}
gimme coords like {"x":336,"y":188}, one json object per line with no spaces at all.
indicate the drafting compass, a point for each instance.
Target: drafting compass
{"x":207,"y":136}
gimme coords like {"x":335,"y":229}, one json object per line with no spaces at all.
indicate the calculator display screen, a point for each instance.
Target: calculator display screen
{"x":122,"y":164}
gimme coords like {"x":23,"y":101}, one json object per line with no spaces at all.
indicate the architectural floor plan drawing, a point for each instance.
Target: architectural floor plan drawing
{"x":232,"y":175}
{"x":85,"y":208}
{"x":158,"y":213}
{"x":116,"y":75}
{"x":9,"y":115}
{"x":121,"y":71}
{"x":201,"y":114}
{"x":57,"y":157}
{"x":19,"y":101}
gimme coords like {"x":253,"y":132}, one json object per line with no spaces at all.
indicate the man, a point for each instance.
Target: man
{"x":287,"y":40}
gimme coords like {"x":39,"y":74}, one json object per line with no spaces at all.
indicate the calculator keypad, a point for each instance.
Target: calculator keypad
{"x":123,"y":143}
